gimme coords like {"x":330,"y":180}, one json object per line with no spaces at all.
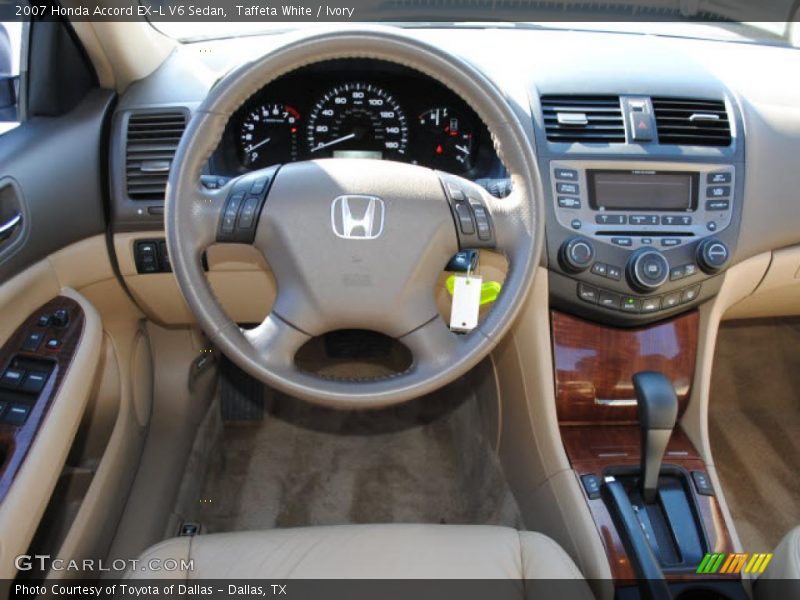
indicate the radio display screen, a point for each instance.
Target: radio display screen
{"x":642,"y":190}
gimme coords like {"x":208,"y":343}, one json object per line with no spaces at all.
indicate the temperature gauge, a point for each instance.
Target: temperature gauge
{"x":445,"y":140}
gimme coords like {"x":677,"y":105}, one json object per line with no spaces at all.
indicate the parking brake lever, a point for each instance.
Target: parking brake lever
{"x":658,"y":410}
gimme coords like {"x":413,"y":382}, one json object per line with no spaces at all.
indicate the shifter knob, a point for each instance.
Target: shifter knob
{"x":658,"y":410}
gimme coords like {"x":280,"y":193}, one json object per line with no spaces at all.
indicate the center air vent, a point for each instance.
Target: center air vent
{"x":152,"y":140}
{"x":692,"y":122}
{"x":587,"y":119}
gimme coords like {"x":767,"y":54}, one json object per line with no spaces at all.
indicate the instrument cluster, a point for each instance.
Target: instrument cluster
{"x":357,"y":109}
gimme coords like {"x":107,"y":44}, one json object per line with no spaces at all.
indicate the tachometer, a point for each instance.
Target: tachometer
{"x":444,"y":140}
{"x":268,"y":136}
{"x":357,"y":120}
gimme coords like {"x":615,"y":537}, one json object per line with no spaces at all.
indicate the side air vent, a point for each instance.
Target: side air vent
{"x":152,"y":139}
{"x":587,"y":119}
{"x":691,"y":122}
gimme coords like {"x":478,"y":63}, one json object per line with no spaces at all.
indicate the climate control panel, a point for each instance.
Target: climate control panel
{"x":636,"y":241}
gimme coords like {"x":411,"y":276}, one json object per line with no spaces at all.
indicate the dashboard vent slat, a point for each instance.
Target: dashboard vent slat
{"x":692,"y":122}
{"x":585,"y":119}
{"x":151,"y":141}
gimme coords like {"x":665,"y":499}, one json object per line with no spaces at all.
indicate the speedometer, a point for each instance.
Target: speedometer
{"x":357,"y":120}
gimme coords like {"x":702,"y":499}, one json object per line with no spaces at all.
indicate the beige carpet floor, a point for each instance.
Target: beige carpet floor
{"x":424,"y":461}
{"x":754,"y":422}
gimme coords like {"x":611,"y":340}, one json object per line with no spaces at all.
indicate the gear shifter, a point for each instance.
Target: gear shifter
{"x":658,"y":410}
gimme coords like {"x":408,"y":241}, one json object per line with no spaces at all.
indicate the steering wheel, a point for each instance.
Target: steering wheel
{"x":354,"y":243}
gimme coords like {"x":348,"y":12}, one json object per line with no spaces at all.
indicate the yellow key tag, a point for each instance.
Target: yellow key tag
{"x":466,"y":302}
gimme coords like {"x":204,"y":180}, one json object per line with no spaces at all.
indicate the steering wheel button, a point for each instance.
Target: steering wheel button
{"x":248,"y":212}
{"x":455,"y":193}
{"x":465,"y":219}
{"x":259,"y":186}
{"x":229,"y":216}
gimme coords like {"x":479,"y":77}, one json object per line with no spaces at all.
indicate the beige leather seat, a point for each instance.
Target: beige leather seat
{"x":369,"y":552}
{"x":782,"y":577}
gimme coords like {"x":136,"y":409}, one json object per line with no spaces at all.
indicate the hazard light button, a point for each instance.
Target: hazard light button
{"x":641,"y":126}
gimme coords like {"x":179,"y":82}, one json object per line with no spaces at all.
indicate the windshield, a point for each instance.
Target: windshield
{"x":753,"y":31}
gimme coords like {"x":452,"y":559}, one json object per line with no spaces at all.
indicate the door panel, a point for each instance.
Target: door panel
{"x":52,"y":168}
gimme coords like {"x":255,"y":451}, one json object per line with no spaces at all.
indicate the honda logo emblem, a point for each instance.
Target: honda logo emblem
{"x":357,"y":217}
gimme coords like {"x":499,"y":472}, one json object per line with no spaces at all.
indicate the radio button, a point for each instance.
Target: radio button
{"x":614,"y":273}
{"x":643,"y":220}
{"x":671,"y":300}
{"x":609,"y":219}
{"x":568,"y":174}
{"x":630,"y":304}
{"x":651,"y":304}
{"x":568,"y":188}
{"x":718,"y":204}
{"x":622,"y":241}
{"x":588,"y":293}
{"x":712,"y":255}
{"x":719,"y":177}
{"x":568,"y":202}
{"x":670,"y":242}
{"x":576,"y":254}
{"x":718,"y":191}
{"x":648,"y":269}
{"x":609,"y":300}
{"x":690,"y":294}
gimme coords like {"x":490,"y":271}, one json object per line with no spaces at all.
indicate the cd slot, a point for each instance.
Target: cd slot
{"x":656,"y":234}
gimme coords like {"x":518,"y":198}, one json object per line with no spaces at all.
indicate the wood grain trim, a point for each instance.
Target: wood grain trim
{"x":16,"y":441}
{"x":595,"y":363}
{"x":592,"y":449}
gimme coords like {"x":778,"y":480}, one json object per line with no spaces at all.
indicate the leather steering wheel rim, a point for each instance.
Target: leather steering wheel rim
{"x":439,"y":357}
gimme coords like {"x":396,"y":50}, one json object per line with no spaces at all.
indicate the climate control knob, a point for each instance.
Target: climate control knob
{"x":647,"y":270}
{"x":576,"y":254}
{"x":712,"y":255}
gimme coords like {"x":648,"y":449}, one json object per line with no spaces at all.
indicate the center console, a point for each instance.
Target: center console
{"x":637,"y":241}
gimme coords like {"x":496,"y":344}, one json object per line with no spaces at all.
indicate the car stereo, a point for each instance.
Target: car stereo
{"x":638,"y":238}
{"x":664,"y":205}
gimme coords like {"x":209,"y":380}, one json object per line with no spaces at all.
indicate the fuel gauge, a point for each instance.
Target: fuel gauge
{"x":445,"y":140}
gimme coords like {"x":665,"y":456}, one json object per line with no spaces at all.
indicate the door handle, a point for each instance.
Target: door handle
{"x":8,"y":228}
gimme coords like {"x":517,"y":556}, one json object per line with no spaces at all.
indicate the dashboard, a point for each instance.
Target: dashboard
{"x":357,"y":109}
{"x":649,"y":195}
